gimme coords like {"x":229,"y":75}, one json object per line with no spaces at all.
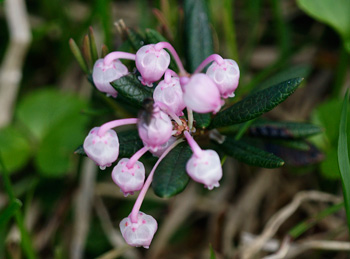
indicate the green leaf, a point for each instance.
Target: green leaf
{"x":129,"y":143}
{"x":131,"y":89}
{"x":78,"y":56}
{"x":202,"y":119}
{"x":343,"y":157}
{"x":332,"y":13}
{"x":170,"y":177}
{"x":250,"y":155}
{"x":9,"y":212}
{"x":135,"y":39}
{"x":283,"y":129}
{"x":14,"y":147}
{"x":256,"y":104}
{"x":199,"y":40}
{"x":212,"y":252}
{"x":80,"y":151}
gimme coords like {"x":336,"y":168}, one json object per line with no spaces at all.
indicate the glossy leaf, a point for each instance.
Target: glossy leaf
{"x":283,"y":129}
{"x":170,"y":177}
{"x":198,"y":34}
{"x":131,"y":89}
{"x":333,"y":13}
{"x":343,"y":157}
{"x":250,"y":155}
{"x":135,"y":39}
{"x":202,"y":119}
{"x":256,"y":104}
{"x":129,"y":143}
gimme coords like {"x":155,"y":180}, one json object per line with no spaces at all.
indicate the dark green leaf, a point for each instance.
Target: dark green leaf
{"x":135,"y":39}
{"x":256,"y":104}
{"x":93,"y":46}
{"x":78,"y":56}
{"x":283,"y":129}
{"x":250,"y":155}
{"x":212,"y":252}
{"x":131,"y":89}
{"x":202,"y":119}
{"x":129,"y":143}
{"x":9,"y":212}
{"x":199,"y":40}
{"x":170,"y":177}
{"x":343,"y":157}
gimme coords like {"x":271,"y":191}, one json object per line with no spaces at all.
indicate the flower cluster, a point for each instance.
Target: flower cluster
{"x":162,"y":126}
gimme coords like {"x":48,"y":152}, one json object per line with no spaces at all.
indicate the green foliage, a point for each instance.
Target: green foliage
{"x":202,"y":119}
{"x":333,"y":13}
{"x":170,"y":177}
{"x":250,"y":155}
{"x":129,"y":143}
{"x":9,"y":212}
{"x":256,"y":104}
{"x":14,"y":148}
{"x":343,"y":157}
{"x":55,"y":125}
{"x":132,"y":89}
{"x":198,"y":34}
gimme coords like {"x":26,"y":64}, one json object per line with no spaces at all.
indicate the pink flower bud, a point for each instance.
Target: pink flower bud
{"x":157,"y":132}
{"x":140,"y":233}
{"x":201,"y":94}
{"x":103,"y":150}
{"x":151,"y":63}
{"x":225,"y":76}
{"x":170,"y":93}
{"x":205,"y":169}
{"x":128,"y":179}
{"x":103,"y":74}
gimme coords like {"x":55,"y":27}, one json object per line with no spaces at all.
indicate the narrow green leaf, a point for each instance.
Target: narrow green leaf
{"x":131,"y":89}
{"x":212,"y":252}
{"x":343,"y":157}
{"x":283,"y":129}
{"x":104,"y":50}
{"x":93,"y":46}
{"x":256,"y":104}
{"x":202,"y":119}
{"x":135,"y":39}
{"x":9,"y":212}
{"x":199,"y":40}
{"x":170,"y":177}
{"x":129,"y":143}
{"x":302,"y":227}
{"x":87,"y":52}
{"x":78,"y":56}
{"x":250,"y":155}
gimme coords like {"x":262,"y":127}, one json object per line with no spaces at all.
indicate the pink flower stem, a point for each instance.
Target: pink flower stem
{"x":140,"y":198}
{"x":116,"y":123}
{"x":167,"y":45}
{"x":215,"y":57}
{"x":136,"y":157}
{"x":169,"y":111}
{"x":168,"y":74}
{"x":108,"y":60}
{"x":197,"y":151}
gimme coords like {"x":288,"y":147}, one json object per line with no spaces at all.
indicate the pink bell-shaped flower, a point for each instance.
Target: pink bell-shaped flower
{"x":205,"y":168}
{"x":201,"y":94}
{"x":129,"y":179}
{"x":225,"y":75}
{"x":151,"y":63}
{"x":103,"y":74}
{"x":170,"y":93}
{"x":104,"y":150}
{"x":140,"y":233}
{"x":157,"y":132}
